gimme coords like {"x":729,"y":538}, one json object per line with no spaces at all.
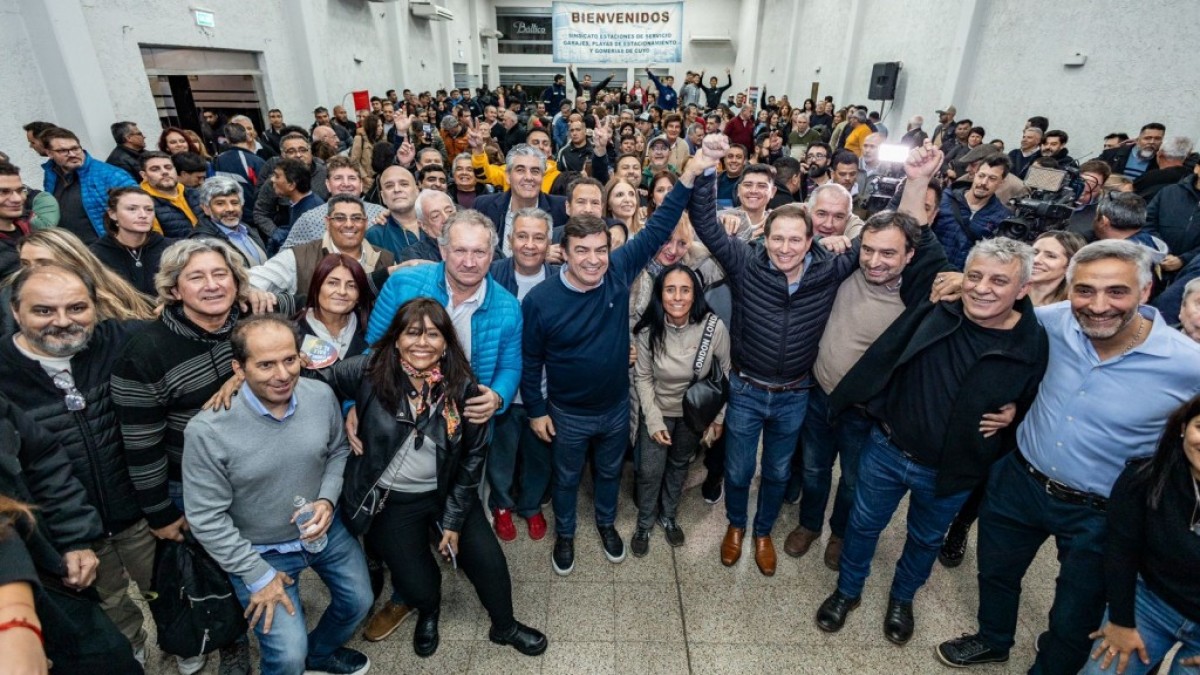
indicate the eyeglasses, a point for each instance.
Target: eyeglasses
{"x":296,"y":152}
{"x":72,"y":397}
{"x":342,"y":219}
{"x":21,"y":192}
{"x":68,"y":151}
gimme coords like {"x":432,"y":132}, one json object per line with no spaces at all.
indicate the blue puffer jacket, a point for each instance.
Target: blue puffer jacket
{"x":495,"y":326}
{"x":983,"y":224}
{"x":95,"y":180}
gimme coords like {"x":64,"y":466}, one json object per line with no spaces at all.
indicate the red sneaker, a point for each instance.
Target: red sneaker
{"x":537,"y":526}
{"x":502,"y":521}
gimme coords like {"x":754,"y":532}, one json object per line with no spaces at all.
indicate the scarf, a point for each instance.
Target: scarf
{"x":430,"y":394}
{"x":175,"y":199}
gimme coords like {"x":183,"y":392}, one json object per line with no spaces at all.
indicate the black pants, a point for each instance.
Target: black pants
{"x":400,"y":534}
{"x":970,"y":511}
{"x":80,"y":638}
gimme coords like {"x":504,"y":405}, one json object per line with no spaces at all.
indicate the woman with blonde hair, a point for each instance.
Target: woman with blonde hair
{"x":116,"y":298}
{"x":622,"y":202}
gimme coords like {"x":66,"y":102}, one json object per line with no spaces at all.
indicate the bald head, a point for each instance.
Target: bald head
{"x":398,"y":191}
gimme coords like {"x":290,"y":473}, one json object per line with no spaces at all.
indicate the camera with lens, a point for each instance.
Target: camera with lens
{"x":887,"y":181}
{"x":1048,"y":207}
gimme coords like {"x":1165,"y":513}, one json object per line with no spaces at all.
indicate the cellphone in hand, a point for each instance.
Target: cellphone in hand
{"x":453,"y":553}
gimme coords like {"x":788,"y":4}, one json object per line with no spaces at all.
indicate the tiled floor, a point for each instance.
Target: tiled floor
{"x":680,"y":611}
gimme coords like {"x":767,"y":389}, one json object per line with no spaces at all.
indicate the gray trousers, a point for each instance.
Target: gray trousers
{"x":127,"y":556}
{"x":661,"y":471}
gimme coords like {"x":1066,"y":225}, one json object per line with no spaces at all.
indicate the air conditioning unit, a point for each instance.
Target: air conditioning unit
{"x":490,"y":33}
{"x":425,"y":9}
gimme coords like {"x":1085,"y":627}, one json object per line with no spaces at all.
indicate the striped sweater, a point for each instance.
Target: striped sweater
{"x":164,"y":375}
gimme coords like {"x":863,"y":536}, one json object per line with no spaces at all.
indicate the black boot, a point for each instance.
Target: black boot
{"x":425,"y":637}
{"x":528,"y":641}
{"x":898,"y":621}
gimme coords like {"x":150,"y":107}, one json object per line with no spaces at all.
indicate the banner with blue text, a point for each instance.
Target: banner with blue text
{"x":621,"y":33}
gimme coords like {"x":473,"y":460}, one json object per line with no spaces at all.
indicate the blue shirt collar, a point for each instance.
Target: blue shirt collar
{"x":257,"y":406}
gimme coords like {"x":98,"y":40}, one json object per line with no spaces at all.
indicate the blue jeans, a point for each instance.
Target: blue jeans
{"x":515,"y":445}
{"x":777,"y":418}
{"x":343,"y":568}
{"x":1160,"y":627}
{"x":826,"y":439}
{"x":608,"y":434}
{"x":1017,"y":516}
{"x":885,"y":474}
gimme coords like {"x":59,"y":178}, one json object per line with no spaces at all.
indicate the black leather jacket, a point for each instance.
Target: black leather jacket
{"x":459,"y":457}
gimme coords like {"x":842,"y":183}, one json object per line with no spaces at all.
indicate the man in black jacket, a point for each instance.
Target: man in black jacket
{"x":131,"y":142}
{"x":57,"y":369}
{"x":1140,"y":157}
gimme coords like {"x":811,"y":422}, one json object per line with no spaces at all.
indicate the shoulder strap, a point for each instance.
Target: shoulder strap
{"x":956,"y":209}
{"x":710,"y":327}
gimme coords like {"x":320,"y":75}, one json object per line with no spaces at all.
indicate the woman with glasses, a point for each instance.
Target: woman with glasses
{"x":130,"y":246}
{"x":1152,"y":554}
{"x":419,"y":470}
{"x":338,"y":304}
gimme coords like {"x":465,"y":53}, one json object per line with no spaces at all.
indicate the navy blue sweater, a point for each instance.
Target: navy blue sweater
{"x":582,"y":338}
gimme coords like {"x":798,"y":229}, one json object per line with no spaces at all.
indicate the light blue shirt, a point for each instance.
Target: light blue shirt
{"x":794,"y":286}
{"x":240,"y":236}
{"x":293,"y":546}
{"x":1091,"y":417}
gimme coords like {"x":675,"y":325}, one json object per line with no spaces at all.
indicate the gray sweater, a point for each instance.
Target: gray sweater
{"x":241,"y":471}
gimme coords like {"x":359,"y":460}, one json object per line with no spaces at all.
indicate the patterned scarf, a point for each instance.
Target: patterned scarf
{"x":430,"y":394}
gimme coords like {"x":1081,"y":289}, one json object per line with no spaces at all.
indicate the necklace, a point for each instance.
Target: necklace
{"x":136,"y":255}
{"x":1137,"y":336}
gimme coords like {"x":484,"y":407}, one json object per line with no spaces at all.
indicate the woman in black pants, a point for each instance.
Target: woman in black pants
{"x":419,"y":470}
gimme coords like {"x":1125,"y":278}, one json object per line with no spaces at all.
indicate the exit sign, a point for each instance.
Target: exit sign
{"x":205,"y":19}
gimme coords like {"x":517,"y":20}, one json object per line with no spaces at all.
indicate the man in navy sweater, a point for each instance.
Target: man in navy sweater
{"x":576,"y":328}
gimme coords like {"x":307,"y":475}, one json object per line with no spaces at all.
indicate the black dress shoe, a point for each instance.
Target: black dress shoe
{"x":425,"y":637}
{"x":898,"y":621}
{"x":528,"y":641}
{"x":831,"y":615}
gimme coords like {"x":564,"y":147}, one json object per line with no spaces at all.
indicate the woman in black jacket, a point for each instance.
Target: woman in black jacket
{"x":1151,"y":557}
{"x":419,"y":470}
{"x":130,"y":247}
{"x":337,"y":305}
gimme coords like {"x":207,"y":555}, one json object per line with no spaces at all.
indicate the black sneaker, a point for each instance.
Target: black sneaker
{"x":640,"y":542}
{"x":564,"y":555}
{"x":969,"y":650}
{"x":673,"y":531}
{"x":955,"y":545}
{"x":614,"y":548}
{"x":343,"y":661}
{"x":713,"y":488}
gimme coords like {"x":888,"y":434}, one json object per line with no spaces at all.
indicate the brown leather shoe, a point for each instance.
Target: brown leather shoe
{"x":799,"y":541}
{"x":833,"y":553}
{"x":764,"y":555}
{"x":386,"y":621}
{"x":731,"y":546}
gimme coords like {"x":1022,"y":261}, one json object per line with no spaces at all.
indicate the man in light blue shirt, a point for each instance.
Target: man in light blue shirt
{"x":1116,"y":372}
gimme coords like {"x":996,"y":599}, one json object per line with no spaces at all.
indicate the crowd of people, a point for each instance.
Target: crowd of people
{"x":362,"y":345}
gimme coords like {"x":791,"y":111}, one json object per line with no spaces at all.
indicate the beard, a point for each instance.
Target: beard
{"x":1097,"y":333}
{"x":60,"y":342}
{"x":1146,"y":154}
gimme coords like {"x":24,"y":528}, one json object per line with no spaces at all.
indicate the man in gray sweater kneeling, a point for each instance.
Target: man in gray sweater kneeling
{"x":242,"y":470}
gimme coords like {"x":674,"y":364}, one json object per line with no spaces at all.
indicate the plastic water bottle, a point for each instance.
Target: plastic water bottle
{"x":306,"y":514}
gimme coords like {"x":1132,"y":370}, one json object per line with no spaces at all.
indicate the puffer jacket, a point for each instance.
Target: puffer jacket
{"x":983,"y":224}
{"x":174,"y":223}
{"x":91,"y":437}
{"x":35,"y":470}
{"x":774,"y":334}
{"x":95,"y":180}
{"x":459,"y":456}
{"x":495,"y":326}
{"x":1174,"y":217}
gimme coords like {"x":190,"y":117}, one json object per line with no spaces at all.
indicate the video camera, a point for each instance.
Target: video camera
{"x":884,"y":184}
{"x":1048,"y":206}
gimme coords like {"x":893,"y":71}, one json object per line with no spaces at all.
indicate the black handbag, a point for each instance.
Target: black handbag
{"x":193,"y":603}
{"x":704,"y":397}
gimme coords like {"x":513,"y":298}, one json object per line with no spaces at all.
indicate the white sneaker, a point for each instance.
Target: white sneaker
{"x":191,"y":665}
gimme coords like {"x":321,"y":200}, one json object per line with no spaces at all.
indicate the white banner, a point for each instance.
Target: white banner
{"x":638,"y":33}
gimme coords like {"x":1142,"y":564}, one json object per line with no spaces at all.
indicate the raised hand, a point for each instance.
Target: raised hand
{"x":406,"y":153}
{"x":601,"y":136}
{"x":923,"y":162}
{"x":402,"y":121}
{"x":712,"y":150}
{"x":475,"y":136}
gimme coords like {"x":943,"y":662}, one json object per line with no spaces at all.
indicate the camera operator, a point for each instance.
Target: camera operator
{"x":1092,"y":174}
